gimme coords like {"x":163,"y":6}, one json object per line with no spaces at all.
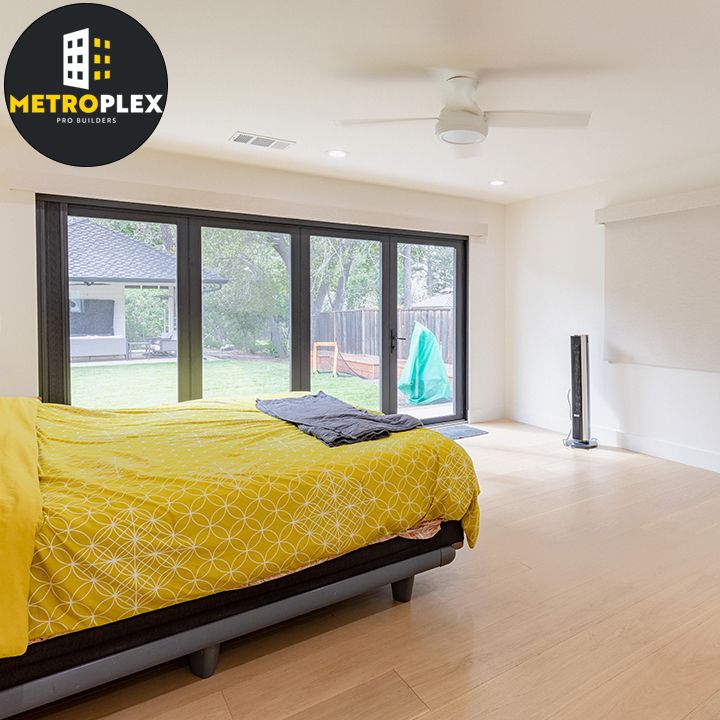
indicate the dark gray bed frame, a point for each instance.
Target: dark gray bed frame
{"x":201,"y":644}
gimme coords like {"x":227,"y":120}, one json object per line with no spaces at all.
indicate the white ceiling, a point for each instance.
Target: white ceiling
{"x":647,"y":69}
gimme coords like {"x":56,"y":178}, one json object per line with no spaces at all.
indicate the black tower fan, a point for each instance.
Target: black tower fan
{"x":580,"y":394}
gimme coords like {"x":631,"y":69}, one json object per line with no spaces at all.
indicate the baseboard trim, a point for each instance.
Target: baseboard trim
{"x":676,"y":452}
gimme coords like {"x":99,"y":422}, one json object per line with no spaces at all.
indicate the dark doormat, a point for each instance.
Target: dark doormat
{"x":457,"y":432}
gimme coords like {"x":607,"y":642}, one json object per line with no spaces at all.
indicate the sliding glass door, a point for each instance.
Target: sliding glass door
{"x":143,"y":305}
{"x":345,"y":307}
{"x":384,"y":321}
{"x":426,"y":322}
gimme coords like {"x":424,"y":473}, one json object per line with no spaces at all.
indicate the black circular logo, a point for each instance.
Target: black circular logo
{"x":86,"y":85}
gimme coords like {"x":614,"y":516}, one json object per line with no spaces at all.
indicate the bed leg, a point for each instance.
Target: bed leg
{"x":203,"y":662}
{"x":402,"y":589}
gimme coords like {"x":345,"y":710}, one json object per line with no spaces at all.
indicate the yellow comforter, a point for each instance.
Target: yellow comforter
{"x":20,"y":517}
{"x":148,"y":508}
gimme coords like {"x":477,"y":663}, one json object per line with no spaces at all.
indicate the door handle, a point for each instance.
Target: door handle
{"x":394,"y":338}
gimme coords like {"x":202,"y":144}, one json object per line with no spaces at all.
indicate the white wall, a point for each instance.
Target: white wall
{"x":164,"y":178}
{"x":18,"y":295}
{"x":554,"y":288}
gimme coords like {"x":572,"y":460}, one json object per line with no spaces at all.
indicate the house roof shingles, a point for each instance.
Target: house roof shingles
{"x":100,"y":254}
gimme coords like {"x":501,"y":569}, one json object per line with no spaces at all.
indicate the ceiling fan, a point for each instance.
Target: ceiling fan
{"x":461,"y":122}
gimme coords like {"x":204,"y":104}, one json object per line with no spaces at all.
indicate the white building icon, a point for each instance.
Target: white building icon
{"x":76,"y":59}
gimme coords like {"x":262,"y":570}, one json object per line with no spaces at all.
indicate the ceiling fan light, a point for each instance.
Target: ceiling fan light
{"x":461,"y":127}
{"x":461,"y":136}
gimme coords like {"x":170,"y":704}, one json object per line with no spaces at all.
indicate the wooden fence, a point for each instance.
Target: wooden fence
{"x":357,"y":332}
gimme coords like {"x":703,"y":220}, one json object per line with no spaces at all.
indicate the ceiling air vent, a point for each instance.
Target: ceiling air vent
{"x":246,"y":138}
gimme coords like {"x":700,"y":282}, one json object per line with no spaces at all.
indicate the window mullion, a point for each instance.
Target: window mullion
{"x":388,"y":349}
{"x":53,"y":302}
{"x":300,"y":309}
{"x":189,"y":292}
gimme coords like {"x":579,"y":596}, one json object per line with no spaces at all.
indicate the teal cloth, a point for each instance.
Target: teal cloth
{"x":424,"y":379}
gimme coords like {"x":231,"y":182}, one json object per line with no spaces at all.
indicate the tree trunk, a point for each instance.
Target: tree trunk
{"x":430,"y":277}
{"x":319,"y":300}
{"x":166,"y":238}
{"x":407,"y":275}
{"x":282,"y":247}
{"x":339,"y":299}
{"x":276,"y":338}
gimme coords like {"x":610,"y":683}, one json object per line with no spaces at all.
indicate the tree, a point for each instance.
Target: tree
{"x":405,"y":259}
{"x":345,"y":274}
{"x":250,"y":311}
{"x":426,"y":270}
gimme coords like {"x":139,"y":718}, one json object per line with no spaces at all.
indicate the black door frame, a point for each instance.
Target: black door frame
{"x":460,"y":299}
{"x":52,"y":212}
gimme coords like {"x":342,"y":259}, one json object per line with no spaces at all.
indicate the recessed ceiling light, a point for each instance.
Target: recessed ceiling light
{"x":337,"y":153}
{"x":497,"y":183}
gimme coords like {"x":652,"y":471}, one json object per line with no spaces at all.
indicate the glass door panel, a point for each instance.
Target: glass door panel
{"x":426,"y":363}
{"x":246,"y":312}
{"x":346,"y":319}
{"x":123,"y":317}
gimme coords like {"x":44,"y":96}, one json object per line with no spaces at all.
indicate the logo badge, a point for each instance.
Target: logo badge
{"x":86,"y":85}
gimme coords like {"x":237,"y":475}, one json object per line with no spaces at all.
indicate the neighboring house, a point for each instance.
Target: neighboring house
{"x":102,"y":264}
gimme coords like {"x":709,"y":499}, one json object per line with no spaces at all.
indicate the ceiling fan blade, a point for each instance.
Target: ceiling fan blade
{"x":383,"y":121}
{"x":536,"y":119}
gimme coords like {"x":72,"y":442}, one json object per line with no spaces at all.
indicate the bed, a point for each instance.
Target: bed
{"x":160,"y":533}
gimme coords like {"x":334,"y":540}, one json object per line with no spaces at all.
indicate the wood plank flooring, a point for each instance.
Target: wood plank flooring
{"x":594,"y":593}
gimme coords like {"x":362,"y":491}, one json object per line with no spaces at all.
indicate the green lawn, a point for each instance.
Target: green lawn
{"x":139,"y":384}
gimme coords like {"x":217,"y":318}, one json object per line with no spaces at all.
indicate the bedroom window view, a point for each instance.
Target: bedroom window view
{"x":122,"y":312}
{"x":346,"y":319}
{"x":246,"y":312}
{"x":426,"y":330}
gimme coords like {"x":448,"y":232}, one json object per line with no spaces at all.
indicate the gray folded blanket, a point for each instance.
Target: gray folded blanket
{"x":334,"y":421}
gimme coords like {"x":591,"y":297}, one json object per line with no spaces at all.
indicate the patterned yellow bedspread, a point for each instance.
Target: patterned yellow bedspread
{"x":147,"y":508}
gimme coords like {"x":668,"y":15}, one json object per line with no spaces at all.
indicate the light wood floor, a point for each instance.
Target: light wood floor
{"x":594,"y":592}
